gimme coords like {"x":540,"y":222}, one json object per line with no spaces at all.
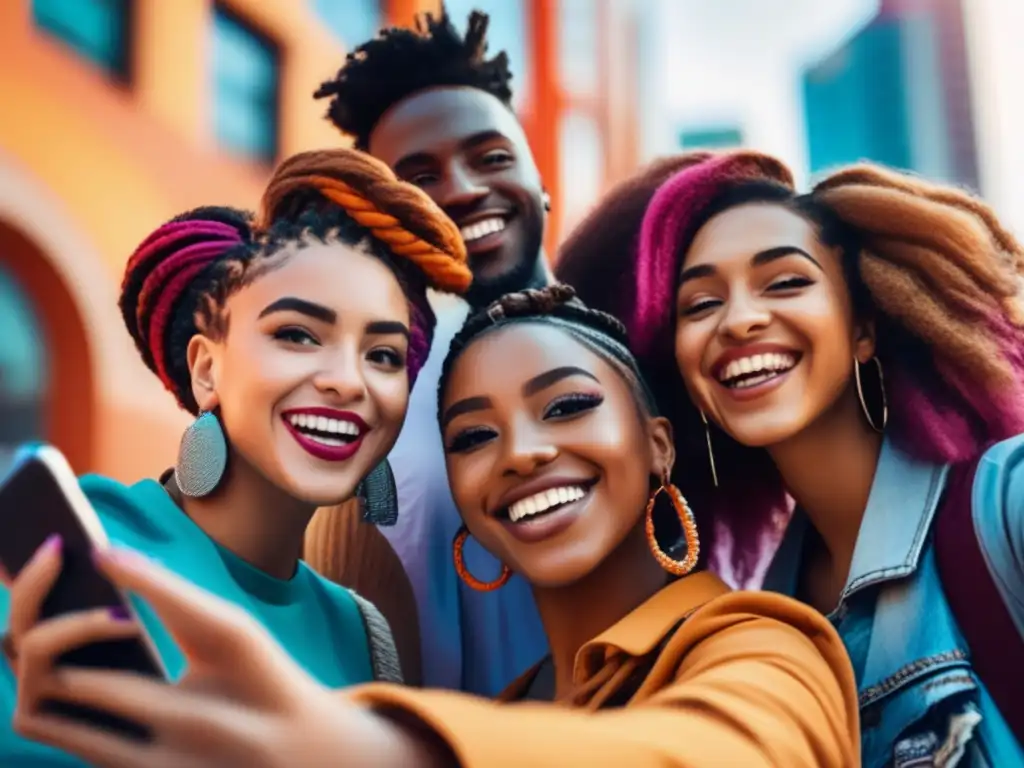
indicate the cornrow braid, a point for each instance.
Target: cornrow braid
{"x":165,"y":280}
{"x":556,"y":305}
{"x":401,"y":62}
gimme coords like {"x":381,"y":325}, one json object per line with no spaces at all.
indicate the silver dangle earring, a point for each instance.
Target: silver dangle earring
{"x":881,"y":388}
{"x":379,"y":496}
{"x":711,"y":453}
{"x":202,"y":457}
{"x":546,"y":199}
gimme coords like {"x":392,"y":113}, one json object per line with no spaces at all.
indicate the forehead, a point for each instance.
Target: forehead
{"x":438,"y":120}
{"x":503,"y":360}
{"x":341,"y":277}
{"x":747,"y":229}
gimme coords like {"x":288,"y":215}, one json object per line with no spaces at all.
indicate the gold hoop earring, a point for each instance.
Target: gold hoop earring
{"x":689,"y":562}
{"x":881,"y":387}
{"x":711,"y":453}
{"x":464,"y":574}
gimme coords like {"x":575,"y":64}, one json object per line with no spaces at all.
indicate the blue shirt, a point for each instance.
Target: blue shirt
{"x":318,"y":622}
{"x":918,"y":693}
{"x":472,"y":641}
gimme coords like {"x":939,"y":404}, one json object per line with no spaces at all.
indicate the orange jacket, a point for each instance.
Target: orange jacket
{"x":748,"y":679}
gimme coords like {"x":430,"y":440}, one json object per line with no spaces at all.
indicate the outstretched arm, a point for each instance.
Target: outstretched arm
{"x":763,"y":681}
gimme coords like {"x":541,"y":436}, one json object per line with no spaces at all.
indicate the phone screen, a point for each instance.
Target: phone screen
{"x":33,"y":506}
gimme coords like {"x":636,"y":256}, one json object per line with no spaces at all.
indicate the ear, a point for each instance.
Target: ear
{"x":663,"y":447}
{"x":864,"y":340}
{"x":545,"y":197}
{"x":202,"y":358}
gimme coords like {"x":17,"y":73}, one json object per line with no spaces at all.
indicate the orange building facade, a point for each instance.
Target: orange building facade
{"x":119,"y":118}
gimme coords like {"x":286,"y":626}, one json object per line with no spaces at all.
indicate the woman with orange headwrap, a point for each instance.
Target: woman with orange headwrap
{"x":295,"y":342}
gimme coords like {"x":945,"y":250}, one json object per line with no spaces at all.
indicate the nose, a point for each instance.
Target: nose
{"x":341,"y":378}
{"x":744,"y":316}
{"x":528,"y":451}
{"x":461,"y":188}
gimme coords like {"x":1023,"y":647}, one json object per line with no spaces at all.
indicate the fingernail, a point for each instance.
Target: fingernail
{"x":53,"y":543}
{"x":119,"y":613}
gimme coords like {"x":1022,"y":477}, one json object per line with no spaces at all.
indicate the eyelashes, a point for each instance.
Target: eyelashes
{"x":785,"y":284}
{"x":563,"y":408}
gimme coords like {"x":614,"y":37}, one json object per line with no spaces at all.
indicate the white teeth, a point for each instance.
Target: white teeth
{"x":765,"y":365}
{"x":481,"y":229}
{"x":324,"y":425}
{"x":545,"y":500}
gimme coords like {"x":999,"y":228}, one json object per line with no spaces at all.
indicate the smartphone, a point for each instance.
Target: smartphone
{"x":40,"y":497}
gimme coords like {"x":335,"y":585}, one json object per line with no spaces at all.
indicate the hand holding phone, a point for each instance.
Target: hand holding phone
{"x":40,"y":501}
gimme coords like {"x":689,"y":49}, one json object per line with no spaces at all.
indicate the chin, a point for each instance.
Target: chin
{"x":556,"y":575}
{"x":762,"y":433}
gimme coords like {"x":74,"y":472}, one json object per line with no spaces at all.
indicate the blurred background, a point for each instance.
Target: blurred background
{"x":117,"y":114}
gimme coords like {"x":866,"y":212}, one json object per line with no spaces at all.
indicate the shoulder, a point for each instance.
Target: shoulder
{"x":360,"y":611}
{"x":997,"y":493}
{"x":792,"y":621}
{"x":143,"y":509}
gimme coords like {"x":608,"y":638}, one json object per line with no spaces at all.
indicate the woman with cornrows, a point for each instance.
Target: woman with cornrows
{"x":559,"y":464}
{"x":859,"y":349}
{"x":294,"y":341}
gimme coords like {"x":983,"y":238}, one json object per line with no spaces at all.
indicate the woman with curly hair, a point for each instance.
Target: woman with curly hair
{"x":294,"y":341}
{"x":558,"y":461}
{"x":859,"y":349}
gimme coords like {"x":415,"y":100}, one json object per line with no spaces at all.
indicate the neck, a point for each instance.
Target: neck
{"x":828,"y":469}
{"x":537,"y":275}
{"x":252,"y":518}
{"x":576,"y":613}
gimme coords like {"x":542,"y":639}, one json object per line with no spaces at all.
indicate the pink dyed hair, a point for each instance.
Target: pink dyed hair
{"x":943,"y":279}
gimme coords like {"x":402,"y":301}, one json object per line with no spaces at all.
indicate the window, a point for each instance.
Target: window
{"x":353,"y":21}
{"x":508,"y":31}
{"x":23,"y":379}
{"x":245,"y":88}
{"x":711,"y":138}
{"x":97,"y":30}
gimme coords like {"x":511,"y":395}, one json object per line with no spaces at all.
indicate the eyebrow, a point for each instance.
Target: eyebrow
{"x":532,"y":387}
{"x":309,"y":308}
{"x":470,"y":142}
{"x":552,"y":377}
{"x":759,"y":259}
{"x":387,"y":328}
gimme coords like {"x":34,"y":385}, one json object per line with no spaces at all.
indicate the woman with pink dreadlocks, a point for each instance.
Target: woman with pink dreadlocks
{"x":858,"y":349}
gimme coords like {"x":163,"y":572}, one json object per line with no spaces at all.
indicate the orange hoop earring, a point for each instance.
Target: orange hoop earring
{"x":464,"y":574}
{"x":688,"y":563}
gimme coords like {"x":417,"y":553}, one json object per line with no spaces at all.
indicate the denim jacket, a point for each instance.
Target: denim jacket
{"x":921,"y":703}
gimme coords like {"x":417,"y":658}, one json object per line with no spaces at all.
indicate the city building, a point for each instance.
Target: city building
{"x":119,"y":114}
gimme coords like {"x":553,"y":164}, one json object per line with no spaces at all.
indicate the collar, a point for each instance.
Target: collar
{"x":901,"y":506}
{"x":643,"y":629}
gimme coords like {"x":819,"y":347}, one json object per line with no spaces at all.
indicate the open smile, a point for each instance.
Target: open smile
{"x":325,"y":433}
{"x":751,"y":372}
{"x":484,"y":232}
{"x":545,"y":510}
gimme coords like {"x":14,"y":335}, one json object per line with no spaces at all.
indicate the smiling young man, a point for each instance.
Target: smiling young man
{"x":431,"y":105}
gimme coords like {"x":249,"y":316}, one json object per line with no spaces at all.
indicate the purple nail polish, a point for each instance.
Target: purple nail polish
{"x":119,"y":613}
{"x":53,"y":542}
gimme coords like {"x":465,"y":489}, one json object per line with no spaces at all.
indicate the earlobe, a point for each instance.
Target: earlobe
{"x":201,"y":365}
{"x":864,"y":345}
{"x":663,"y":448}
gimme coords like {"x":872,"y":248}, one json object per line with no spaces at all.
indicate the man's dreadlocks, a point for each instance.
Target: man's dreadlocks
{"x":400,"y":62}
